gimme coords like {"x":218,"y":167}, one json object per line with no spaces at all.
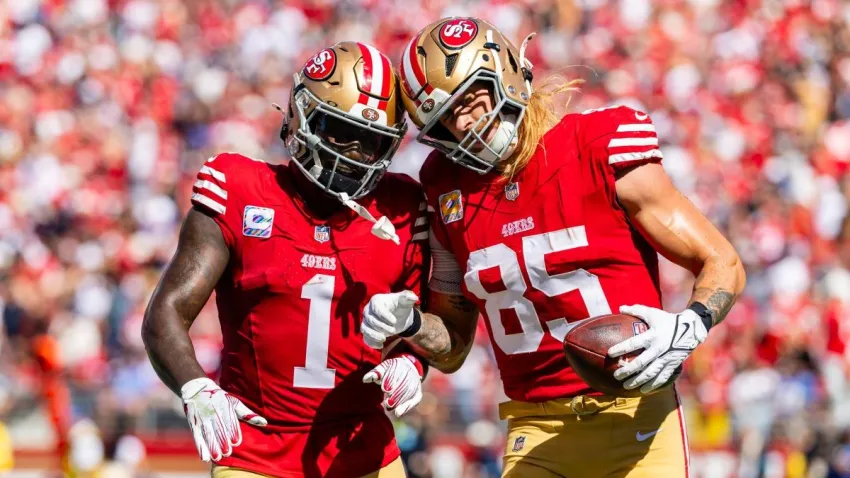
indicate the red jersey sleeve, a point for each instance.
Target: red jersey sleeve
{"x":216,"y":192}
{"x":619,"y":137}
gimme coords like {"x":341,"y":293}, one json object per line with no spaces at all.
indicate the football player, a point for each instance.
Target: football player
{"x":540,"y":222}
{"x":294,"y":252}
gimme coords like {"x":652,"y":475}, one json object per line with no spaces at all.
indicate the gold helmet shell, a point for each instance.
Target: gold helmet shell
{"x":352,"y":88}
{"x":441,"y":62}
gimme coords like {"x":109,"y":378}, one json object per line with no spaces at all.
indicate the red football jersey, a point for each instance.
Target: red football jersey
{"x":291,"y":299}
{"x":551,"y":247}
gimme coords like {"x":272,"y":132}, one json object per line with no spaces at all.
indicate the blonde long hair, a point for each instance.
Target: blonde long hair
{"x":540,"y":117}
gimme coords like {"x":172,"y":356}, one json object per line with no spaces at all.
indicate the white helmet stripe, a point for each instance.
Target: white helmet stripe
{"x":408,"y":72}
{"x":378,"y":72}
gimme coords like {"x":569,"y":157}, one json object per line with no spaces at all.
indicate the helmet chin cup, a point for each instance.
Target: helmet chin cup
{"x":504,"y":138}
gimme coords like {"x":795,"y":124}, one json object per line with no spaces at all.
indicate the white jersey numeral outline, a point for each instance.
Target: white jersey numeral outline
{"x":535,"y":248}
{"x":315,"y":373}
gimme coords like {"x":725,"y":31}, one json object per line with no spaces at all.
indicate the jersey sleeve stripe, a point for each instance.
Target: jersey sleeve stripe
{"x":210,"y":203}
{"x":634,"y":128}
{"x":211,"y":186}
{"x":420,"y":236}
{"x":421,"y":221}
{"x":431,"y":208}
{"x":218,"y":175}
{"x":623,"y":157}
{"x":422,"y":205}
{"x":621,"y":142}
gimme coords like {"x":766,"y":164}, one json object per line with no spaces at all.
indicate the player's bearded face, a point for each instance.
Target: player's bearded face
{"x":465,"y":113}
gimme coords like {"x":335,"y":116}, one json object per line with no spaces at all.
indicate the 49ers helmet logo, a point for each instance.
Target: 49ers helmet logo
{"x":458,"y":33}
{"x":321,"y":66}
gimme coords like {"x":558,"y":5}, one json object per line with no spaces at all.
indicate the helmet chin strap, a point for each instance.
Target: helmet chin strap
{"x":381,"y":228}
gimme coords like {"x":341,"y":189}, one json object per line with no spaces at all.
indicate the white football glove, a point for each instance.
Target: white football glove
{"x":401,"y":382}
{"x":669,"y":341}
{"x":214,"y":416}
{"x":387,"y":315}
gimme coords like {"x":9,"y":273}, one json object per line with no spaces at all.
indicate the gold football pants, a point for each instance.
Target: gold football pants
{"x":393,"y":470}
{"x":596,"y":437}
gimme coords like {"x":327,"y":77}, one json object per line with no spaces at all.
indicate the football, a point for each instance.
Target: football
{"x":586,"y":347}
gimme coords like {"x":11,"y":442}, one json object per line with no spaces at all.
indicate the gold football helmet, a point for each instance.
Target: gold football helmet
{"x":441,"y":62}
{"x":344,"y":121}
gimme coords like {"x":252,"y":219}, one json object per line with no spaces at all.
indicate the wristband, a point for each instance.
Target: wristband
{"x":704,"y":314}
{"x":414,"y":327}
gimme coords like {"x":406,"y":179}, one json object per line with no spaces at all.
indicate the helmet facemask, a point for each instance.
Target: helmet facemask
{"x":343,"y":155}
{"x":474,"y":151}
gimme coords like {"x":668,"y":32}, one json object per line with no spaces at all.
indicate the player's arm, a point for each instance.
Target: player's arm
{"x":447,"y":331}
{"x":185,"y":286}
{"x":444,"y":332}
{"x":676,"y":229}
{"x":679,"y":231}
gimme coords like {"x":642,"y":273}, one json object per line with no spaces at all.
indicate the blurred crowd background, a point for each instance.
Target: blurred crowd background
{"x":109,"y":107}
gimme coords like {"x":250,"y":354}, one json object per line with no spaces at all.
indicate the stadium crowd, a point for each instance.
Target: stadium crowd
{"x":109,"y":107}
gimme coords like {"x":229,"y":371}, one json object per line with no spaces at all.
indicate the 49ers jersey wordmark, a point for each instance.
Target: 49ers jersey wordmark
{"x":551,"y":247}
{"x":291,"y":298}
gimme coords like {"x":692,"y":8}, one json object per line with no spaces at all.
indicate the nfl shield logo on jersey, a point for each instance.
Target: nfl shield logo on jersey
{"x":512,"y":191}
{"x":519,"y":443}
{"x":322,"y":233}
{"x":639,"y":327}
{"x":257,"y":222}
{"x":451,"y":206}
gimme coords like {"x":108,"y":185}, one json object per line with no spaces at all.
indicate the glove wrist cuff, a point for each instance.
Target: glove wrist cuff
{"x":417,"y":363}
{"x":705,"y":315}
{"x":194,"y":387}
{"x":415,"y":324}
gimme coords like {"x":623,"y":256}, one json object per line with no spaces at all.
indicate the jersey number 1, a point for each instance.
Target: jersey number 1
{"x":534,"y":249}
{"x":315,"y":373}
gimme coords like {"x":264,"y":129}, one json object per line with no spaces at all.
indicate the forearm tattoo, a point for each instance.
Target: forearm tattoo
{"x":445,"y":341}
{"x":712,"y":290}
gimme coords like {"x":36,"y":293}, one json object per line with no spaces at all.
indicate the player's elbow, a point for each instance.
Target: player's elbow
{"x":450,"y":366}
{"x":454,"y":358}
{"x":149,"y":327}
{"x":156,"y":313}
{"x":741,"y":276}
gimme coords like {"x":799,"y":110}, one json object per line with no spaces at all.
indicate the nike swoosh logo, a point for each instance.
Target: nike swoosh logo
{"x":641,"y":117}
{"x":646,"y":436}
{"x":687,"y":328}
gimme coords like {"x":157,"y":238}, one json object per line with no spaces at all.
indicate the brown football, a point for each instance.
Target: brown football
{"x":586,"y":347}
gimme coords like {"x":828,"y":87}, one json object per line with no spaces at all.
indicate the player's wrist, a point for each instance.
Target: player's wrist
{"x":705,"y":315}
{"x":193,"y":387}
{"x":414,"y":322}
{"x":418,"y":363}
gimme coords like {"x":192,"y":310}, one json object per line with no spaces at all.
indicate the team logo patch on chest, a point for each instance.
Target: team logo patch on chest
{"x":257,"y":222}
{"x":322,"y":233}
{"x":451,"y":206}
